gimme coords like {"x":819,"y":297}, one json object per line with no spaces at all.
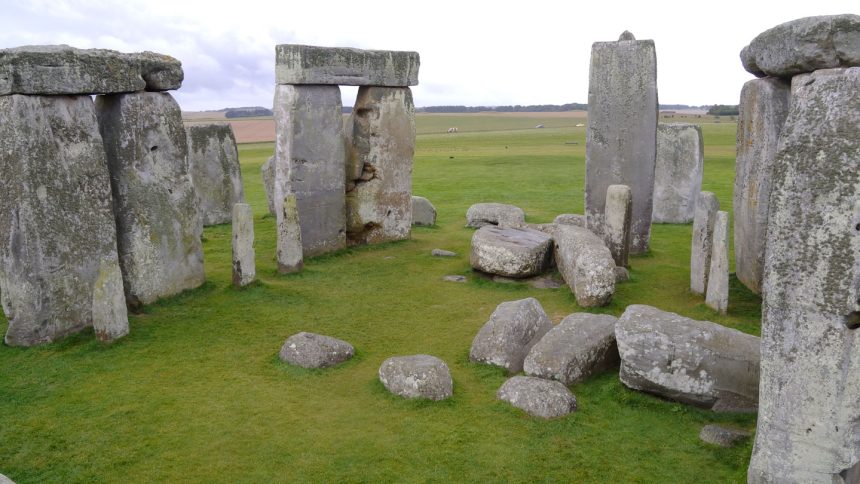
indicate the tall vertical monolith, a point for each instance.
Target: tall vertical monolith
{"x":707,"y":206}
{"x":244,"y":263}
{"x":213,"y":162}
{"x":717,"y":293}
{"x":678,"y":172}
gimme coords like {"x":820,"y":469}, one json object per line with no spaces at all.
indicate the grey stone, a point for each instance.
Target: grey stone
{"x":267,"y":172}
{"x":621,"y":274}
{"x":442,"y":253}
{"x":707,"y":206}
{"x":454,"y":278}
{"x":510,"y":252}
{"x":580,"y":346}
{"x":512,"y":330}
{"x":763,"y":109}
{"x":423,"y":212}
{"x":244,"y":264}
{"x":417,"y":376}
{"x":59,"y":270}
{"x":310,"y":156}
{"x":722,"y":436}
{"x":500,"y":214}
{"x":717,"y":295}
{"x":379,"y":206}
{"x":804,"y":45}
{"x":289,"y":244}
{"x":213,"y":163}
{"x":585,"y":264}
{"x":695,"y":362}
{"x":809,"y":416}
{"x":538,"y":397}
{"x":616,"y":227}
{"x":158,"y":226}
{"x":310,"y":350}
{"x":307,"y":64}
{"x":678,"y":172}
{"x":570,"y":219}
{"x":545,"y":282}
{"x":621,"y":134}
{"x":5,"y":480}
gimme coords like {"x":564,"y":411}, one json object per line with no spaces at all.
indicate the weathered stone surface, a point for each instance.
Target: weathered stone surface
{"x":310,"y":156}
{"x":707,"y":206}
{"x":616,"y":228}
{"x":513,"y":328}
{"x":621,"y":274}
{"x":417,"y":376}
{"x":61,"y":69}
{"x":289,"y":244}
{"x":307,"y":64}
{"x":59,"y":271}
{"x":545,"y":282}
{"x":510,"y":252}
{"x":717,"y":295}
{"x":537,"y":397}
{"x":267,"y":172}
{"x":158,"y":226}
{"x":379,"y":205}
{"x":695,"y":362}
{"x":678,"y":172}
{"x":454,"y":278}
{"x":804,"y":45}
{"x":621,"y":135}
{"x":585,"y":264}
{"x":722,"y":436}
{"x":500,"y":214}
{"x":5,"y":480}
{"x":213,"y":163}
{"x":442,"y":253}
{"x":570,"y":219}
{"x":423,"y":212}
{"x":809,"y":417}
{"x":310,"y":350}
{"x":763,"y":109}
{"x":580,"y":346}
{"x":244,"y":264}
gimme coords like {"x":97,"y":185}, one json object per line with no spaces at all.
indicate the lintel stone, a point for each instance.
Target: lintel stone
{"x":307,"y":64}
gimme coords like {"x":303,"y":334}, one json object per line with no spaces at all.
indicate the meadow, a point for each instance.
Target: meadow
{"x":197,"y":393}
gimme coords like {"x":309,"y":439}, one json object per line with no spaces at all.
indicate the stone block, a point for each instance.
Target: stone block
{"x":585,"y":264}
{"x":310,"y":350}
{"x":678,"y":172}
{"x":244,"y":264}
{"x":289,"y":244}
{"x":512,"y":330}
{"x":417,"y":376}
{"x":307,"y":64}
{"x":707,"y":206}
{"x":500,"y":214}
{"x":717,"y":295}
{"x":423,"y":212}
{"x":267,"y":173}
{"x":510,"y":252}
{"x":616,"y":229}
{"x":538,"y":397}
{"x":213,"y":162}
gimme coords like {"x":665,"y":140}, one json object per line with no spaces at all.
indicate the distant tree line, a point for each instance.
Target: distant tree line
{"x":723,"y":110}
{"x":246,"y":112}
{"x":533,"y":108}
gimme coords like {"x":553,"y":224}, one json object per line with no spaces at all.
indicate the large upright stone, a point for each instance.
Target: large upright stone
{"x":244,"y":264}
{"x":678,"y":172}
{"x":616,"y":229}
{"x":213,"y":162}
{"x":809,"y":414}
{"x":267,"y":173}
{"x":585,"y":264}
{"x":379,"y":199}
{"x":309,"y":162}
{"x":307,"y":64}
{"x":763,"y":108}
{"x":158,"y":226}
{"x":717,"y":294}
{"x":59,"y":271}
{"x":622,"y":132}
{"x":707,"y":206}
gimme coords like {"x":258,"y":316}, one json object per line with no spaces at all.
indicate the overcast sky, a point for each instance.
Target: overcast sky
{"x":487,"y":53}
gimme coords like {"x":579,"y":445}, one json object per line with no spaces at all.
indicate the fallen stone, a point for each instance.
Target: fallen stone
{"x":678,"y":172}
{"x":267,"y":172}
{"x":621,"y":274}
{"x":417,"y":376}
{"x":244,"y":265}
{"x":310,"y":350}
{"x":213,"y":163}
{"x":545,"y":282}
{"x":423,"y":212}
{"x":722,"y":436}
{"x":442,"y":253}
{"x":717,"y":295}
{"x":289,"y":244}
{"x":454,"y":278}
{"x":585,"y":264}
{"x":513,"y":328}
{"x":500,"y":214}
{"x":616,"y":228}
{"x":307,"y":64}
{"x":510,"y":252}
{"x":570,"y":219}
{"x":707,"y":206}
{"x":538,"y":397}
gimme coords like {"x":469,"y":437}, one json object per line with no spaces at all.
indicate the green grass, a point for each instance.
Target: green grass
{"x":196,"y":391}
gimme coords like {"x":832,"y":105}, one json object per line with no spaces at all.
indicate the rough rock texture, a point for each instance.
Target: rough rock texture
{"x":5,"y":480}
{"x":500,"y":214}
{"x":537,"y":397}
{"x":513,"y":328}
{"x":423,"y":212}
{"x":763,"y":108}
{"x":621,"y":274}
{"x":717,"y":295}
{"x":585,"y":264}
{"x":244,"y":265}
{"x":616,"y":227}
{"x":213,"y":163}
{"x":289,"y":244}
{"x":722,"y":436}
{"x":510,"y":252}
{"x":307,"y":64}
{"x":454,"y":278}
{"x":804,"y":45}
{"x":59,"y":271}
{"x":310,"y":350}
{"x":622,"y":132}
{"x":158,"y":226}
{"x":417,"y":376}
{"x":379,"y":200}
{"x":580,"y":346}
{"x":707,"y":206}
{"x":442,"y":253}
{"x":570,"y":219}
{"x":678,"y":172}
{"x":267,"y":172}
{"x":695,"y":362}
{"x":809,"y":417}
{"x":310,"y":156}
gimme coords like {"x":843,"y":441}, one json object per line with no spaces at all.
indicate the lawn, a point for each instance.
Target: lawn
{"x":196,"y":392}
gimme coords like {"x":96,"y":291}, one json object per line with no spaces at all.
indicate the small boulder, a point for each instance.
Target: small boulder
{"x":310,"y":350}
{"x":417,"y":376}
{"x":423,"y":212}
{"x":500,"y":214}
{"x":722,"y":436}
{"x":454,"y":278}
{"x":510,"y":252}
{"x":538,"y":397}
{"x":621,"y":274}
{"x":442,"y":253}
{"x":513,"y":328}
{"x":585,"y":264}
{"x":570,"y":219}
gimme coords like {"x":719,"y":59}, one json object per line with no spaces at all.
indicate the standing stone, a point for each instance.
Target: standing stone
{"x":809,"y":414}
{"x":619,"y":204}
{"x":213,"y":162}
{"x":309,"y":160}
{"x":585,"y":264}
{"x":158,"y":226}
{"x":267,"y":172}
{"x":678,"y":172}
{"x":707,"y":206}
{"x":622,"y":132}
{"x":308,"y":64}
{"x":717,"y":295}
{"x":379,"y":203}
{"x":244,"y":265}
{"x":289,"y":249}
{"x":59,"y":271}
{"x":423,"y":212}
{"x":763,"y":109}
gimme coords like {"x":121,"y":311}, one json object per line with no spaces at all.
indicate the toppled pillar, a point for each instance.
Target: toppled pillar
{"x":678,"y":172}
{"x":213,"y":162}
{"x":619,"y":203}
{"x":707,"y":206}
{"x":717,"y":293}
{"x":585,"y":264}
{"x":244,"y":264}
{"x":289,"y":250}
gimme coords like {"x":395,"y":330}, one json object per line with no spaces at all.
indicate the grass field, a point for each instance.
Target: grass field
{"x":196,"y":392}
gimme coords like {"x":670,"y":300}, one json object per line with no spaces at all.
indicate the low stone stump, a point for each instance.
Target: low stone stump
{"x":267,"y":173}
{"x":310,"y":350}
{"x":244,"y":264}
{"x":538,"y":397}
{"x":213,"y":163}
{"x":616,"y":227}
{"x":500,"y":214}
{"x":423,"y":212}
{"x":510,"y":252}
{"x":513,"y":329}
{"x":570,"y":219}
{"x":722,"y":436}
{"x":707,"y":206}
{"x":585,"y":264}
{"x":417,"y":376}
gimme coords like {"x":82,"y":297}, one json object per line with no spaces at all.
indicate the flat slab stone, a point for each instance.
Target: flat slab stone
{"x":417,"y":376}
{"x":500,"y":214}
{"x":586,"y":265}
{"x":61,"y":69}
{"x":213,"y":163}
{"x":308,"y":64}
{"x":538,"y":397}
{"x":454,"y":278}
{"x":513,"y":328}
{"x":311,"y":350}
{"x":678,"y":172}
{"x":423,"y":212}
{"x":442,"y":253}
{"x":510,"y":252}
{"x":722,"y":436}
